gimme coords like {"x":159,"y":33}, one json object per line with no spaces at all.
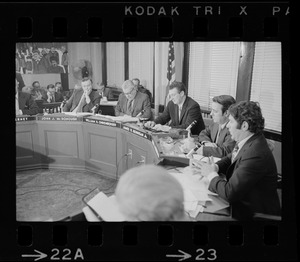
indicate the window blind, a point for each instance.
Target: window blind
{"x":266,"y":82}
{"x":115,"y":64}
{"x":213,"y":69}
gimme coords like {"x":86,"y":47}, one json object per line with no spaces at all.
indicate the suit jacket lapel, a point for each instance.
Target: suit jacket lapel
{"x":77,"y":98}
{"x":245,"y":147}
{"x":214,"y":132}
{"x":176,"y":109}
{"x":183,"y":109}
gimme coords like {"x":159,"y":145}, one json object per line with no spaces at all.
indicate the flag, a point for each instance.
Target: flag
{"x":171,"y":63}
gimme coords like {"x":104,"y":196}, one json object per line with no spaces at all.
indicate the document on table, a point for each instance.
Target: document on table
{"x":124,"y":118}
{"x":78,"y":114}
{"x":108,"y":103}
{"x":197,"y":197}
{"x":204,"y":158}
{"x":106,"y":207}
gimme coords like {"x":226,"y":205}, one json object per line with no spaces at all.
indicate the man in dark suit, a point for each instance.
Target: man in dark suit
{"x":140,"y":88}
{"x":83,"y":99}
{"x":132,"y":102}
{"x":215,"y":139}
{"x":51,"y":96}
{"x":105,"y":92}
{"x":181,"y":109}
{"x":247,"y":177}
{"x":25,"y":104}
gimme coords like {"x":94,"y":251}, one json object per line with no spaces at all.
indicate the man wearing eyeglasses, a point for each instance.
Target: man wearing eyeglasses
{"x":132,"y":102}
{"x":182,"y":110}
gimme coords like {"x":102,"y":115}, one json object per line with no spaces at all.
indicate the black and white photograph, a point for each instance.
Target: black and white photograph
{"x":148,"y":131}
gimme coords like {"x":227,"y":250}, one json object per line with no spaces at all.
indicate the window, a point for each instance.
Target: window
{"x":266,"y":82}
{"x":213,"y":70}
{"x":115,"y":64}
{"x":141,"y":63}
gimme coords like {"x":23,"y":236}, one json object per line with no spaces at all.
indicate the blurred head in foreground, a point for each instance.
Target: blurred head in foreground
{"x":149,"y":193}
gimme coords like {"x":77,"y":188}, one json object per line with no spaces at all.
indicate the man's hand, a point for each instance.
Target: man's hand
{"x":49,"y":95}
{"x":202,"y":168}
{"x":87,"y":98}
{"x":150,"y":124}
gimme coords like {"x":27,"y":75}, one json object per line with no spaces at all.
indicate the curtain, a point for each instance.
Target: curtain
{"x":266,"y":82}
{"x":115,"y":64}
{"x":213,"y":70}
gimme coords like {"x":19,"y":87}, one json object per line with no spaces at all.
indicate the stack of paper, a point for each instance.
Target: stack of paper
{"x":78,"y":114}
{"x":106,"y":207}
{"x":197,"y":197}
{"x":124,"y":118}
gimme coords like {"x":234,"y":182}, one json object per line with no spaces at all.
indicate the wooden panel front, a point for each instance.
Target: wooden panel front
{"x":62,"y":144}
{"x":27,"y":155}
{"x":101,"y":146}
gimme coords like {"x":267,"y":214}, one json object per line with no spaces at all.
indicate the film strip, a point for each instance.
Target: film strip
{"x":145,"y":241}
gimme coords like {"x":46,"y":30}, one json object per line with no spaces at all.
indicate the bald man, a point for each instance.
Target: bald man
{"x":150,"y":193}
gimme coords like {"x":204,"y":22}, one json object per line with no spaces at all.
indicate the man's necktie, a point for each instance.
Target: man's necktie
{"x":218,"y":134}
{"x":234,"y":152}
{"x":129,"y":106}
{"x":179,"y":113}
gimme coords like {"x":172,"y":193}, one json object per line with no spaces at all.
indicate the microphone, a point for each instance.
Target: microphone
{"x":63,"y":103}
{"x":95,"y":108}
{"x":189,"y":154}
{"x":140,"y":113}
{"x":191,"y":125}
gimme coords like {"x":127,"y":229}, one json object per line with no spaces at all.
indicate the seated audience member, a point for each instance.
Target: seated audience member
{"x":83,"y":99}
{"x":105,"y":92}
{"x":20,"y":80}
{"x":54,"y":68}
{"x":25,"y":104}
{"x":216,"y":139}
{"x":58,"y":87}
{"x":149,"y":193}
{"x":52,"y":96}
{"x":131,"y":102}
{"x":247,"y":177}
{"x":140,"y":88}
{"x":36,"y":91}
{"x":181,"y":109}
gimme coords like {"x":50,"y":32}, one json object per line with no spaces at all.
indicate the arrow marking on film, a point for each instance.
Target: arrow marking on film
{"x":182,"y":257}
{"x":39,"y":256}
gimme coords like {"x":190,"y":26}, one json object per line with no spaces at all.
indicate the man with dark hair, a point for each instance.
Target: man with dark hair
{"x":105,"y":92}
{"x":83,"y":99}
{"x":25,"y":104}
{"x":215,"y":139}
{"x":247,"y":177}
{"x":181,"y":109}
{"x":54,"y":68}
{"x":52,"y":96}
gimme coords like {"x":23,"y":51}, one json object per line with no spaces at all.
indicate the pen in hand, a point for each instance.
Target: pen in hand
{"x":140,"y":113}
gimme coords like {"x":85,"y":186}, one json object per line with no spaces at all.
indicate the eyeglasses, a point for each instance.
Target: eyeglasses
{"x":129,"y":93}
